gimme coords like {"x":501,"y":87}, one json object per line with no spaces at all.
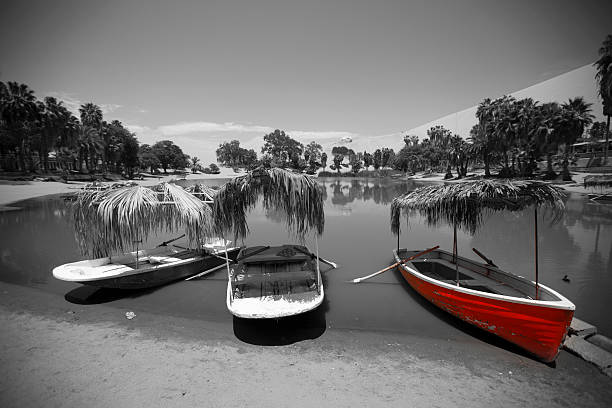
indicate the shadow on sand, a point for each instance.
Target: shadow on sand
{"x":283,"y":331}
{"x":286,"y":330}
{"x":90,"y":295}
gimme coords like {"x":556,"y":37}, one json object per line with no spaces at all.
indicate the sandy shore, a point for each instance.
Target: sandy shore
{"x":13,"y":192}
{"x":57,"y":354}
{"x":10,"y":193}
{"x":576,"y":186}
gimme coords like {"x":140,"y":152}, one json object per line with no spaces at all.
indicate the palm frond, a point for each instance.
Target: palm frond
{"x":465,"y":204}
{"x":297,"y":196}
{"x":114,"y":220}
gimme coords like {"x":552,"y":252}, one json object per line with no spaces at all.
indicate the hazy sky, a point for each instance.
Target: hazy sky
{"x":199,"y":72}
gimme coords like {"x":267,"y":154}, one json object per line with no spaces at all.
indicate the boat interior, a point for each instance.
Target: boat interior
{"x":269,"y":279}
{"x":156,"y":256}
{"x":146,"y":258}
{"x":274,"y":271}
{"x":439,"y":265}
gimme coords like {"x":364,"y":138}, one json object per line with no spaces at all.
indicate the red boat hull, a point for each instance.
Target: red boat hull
{"x":538,"y":329}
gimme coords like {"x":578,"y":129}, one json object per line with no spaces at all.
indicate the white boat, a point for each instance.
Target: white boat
{"x":273,"y":282}
{"x":146,"y":268}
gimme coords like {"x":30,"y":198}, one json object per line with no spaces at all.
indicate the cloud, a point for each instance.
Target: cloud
{"x":138,"y":128}
{"x":73,"y":103}
{"x":185,"y":128}
{"x":109,"y":107}
{"x":70,"y":101}
{"x":211,"y":127}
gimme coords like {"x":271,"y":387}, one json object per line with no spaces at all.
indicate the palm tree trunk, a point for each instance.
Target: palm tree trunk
{"x":549,"y":166}
{"x":605,"y":161}
{"x":565,"y":172}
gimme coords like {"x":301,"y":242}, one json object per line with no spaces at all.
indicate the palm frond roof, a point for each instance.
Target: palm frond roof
{"x":204,"y":193}
{"x":465,"y":204}
{"x":299,"y":197}
{"x":114,"y":220}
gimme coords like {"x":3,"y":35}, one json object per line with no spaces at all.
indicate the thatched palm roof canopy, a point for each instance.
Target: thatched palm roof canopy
{"x":465,"y":204}
{"x":203,"y":192}
{"x":297,"y":196}
{"x":114,"y":220}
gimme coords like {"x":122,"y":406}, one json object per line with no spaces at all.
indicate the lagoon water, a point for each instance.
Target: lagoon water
{"x":39,"y":236}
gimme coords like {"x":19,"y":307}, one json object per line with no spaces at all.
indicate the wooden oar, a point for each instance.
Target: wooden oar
{"x":254,"y":253}
{"x":487,"y":260}
{"x":172,"y":240}
{"x":205,"y":272}
{"x":358,"y":280}
{"x":330,"y":263}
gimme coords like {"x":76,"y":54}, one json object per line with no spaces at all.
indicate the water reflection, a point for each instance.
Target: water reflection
{"x":344,"y":191}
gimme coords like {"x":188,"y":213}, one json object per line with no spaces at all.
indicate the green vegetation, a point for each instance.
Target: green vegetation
{"x":44,"y":136}
{"x":230,"y":154}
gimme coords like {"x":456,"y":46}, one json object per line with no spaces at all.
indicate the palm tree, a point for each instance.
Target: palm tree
{"x":440,"y":138}
{"x":459,"y":150}
{"x":91,"y":115}
{"x":604,"y":81}
{"x":480,"y":134}
{"x":576,"y":116}
{"x":91,"y":146}
{"x":546,"y":133}
{"x":18,"y":110}
{"x":56,"y":124}
{"x":194,"y":164}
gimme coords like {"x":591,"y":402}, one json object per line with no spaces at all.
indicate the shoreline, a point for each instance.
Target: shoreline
{"x":11,"y":193}
{"x":63,"y":354}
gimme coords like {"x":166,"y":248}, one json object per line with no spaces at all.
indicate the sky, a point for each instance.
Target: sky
{"x":360,"y":73}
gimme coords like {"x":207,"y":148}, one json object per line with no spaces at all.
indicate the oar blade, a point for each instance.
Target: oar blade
{"x":358,"y":280}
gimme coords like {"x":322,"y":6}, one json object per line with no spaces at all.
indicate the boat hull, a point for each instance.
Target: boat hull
{"x":160,"y":275}
{"x":274,"y":305}
{"x":538,"y":328}
{"x":272,"y":308}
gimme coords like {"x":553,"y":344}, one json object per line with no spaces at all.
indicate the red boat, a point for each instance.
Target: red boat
{"x":494,"y":300}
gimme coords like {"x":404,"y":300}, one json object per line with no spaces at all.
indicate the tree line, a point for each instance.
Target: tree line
{"x":511,"y":135}
{"x":31,"y":129}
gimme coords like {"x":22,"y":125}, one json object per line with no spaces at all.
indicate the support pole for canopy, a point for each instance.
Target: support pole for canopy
{"x":398,"y":239}
{"x":536,"y":249}
{"x":318,"y":270}
{"x":228,"y":270}
{"x":455,"y":260}
{"x":137,"y":254}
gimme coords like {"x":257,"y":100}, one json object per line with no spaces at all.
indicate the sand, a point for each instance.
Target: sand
{"x":10,"y":193}
{"x":57,"y":354}
{"x":13,"y":192}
